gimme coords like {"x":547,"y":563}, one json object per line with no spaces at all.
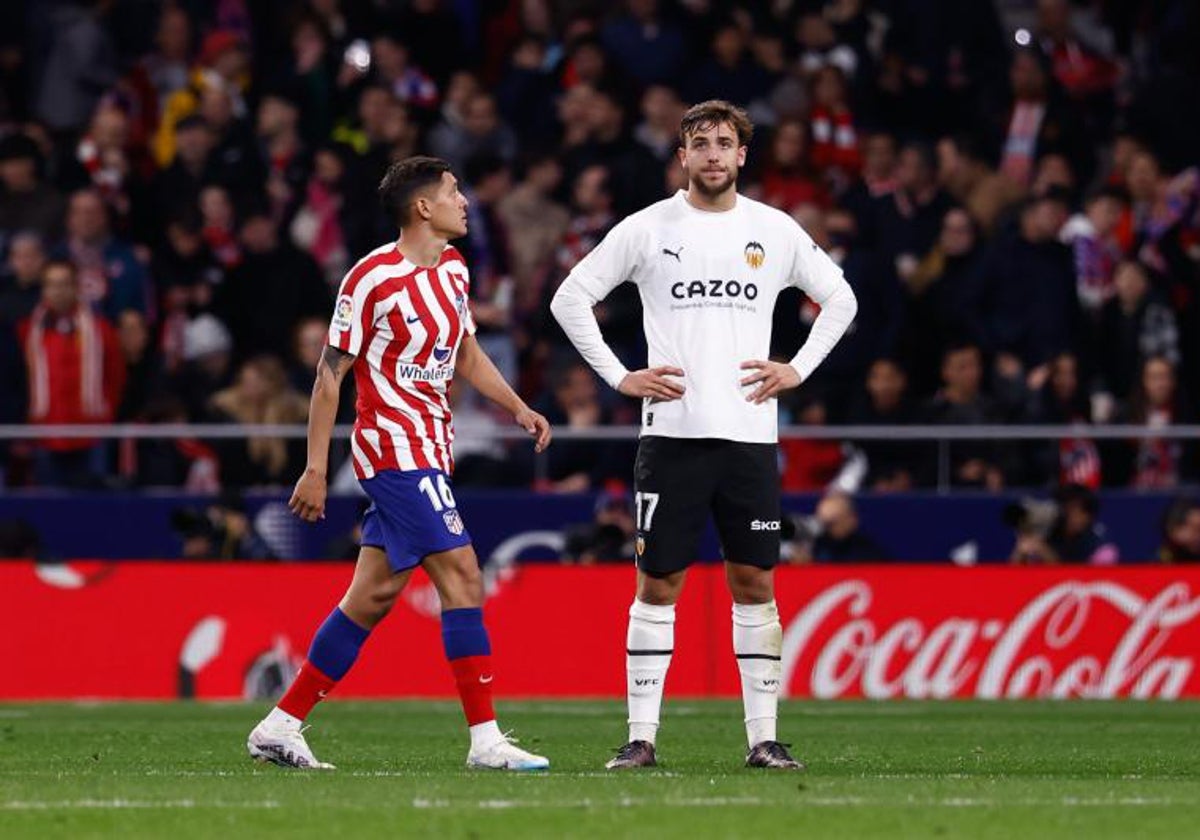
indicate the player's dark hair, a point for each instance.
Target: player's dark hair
{"x":404,"y":179}
{"x":714,"y":112}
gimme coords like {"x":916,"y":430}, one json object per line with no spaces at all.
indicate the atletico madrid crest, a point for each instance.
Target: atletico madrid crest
{"x":454,"y":523}
{"x":755,"y":254}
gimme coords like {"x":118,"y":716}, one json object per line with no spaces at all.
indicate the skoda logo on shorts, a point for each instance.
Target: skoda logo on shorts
{"x":454,"y":523}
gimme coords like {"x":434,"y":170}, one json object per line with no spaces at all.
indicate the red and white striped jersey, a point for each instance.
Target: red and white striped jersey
{"x":404,"y":323}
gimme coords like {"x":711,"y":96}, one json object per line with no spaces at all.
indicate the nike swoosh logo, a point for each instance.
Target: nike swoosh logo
{"x":485,"y":679}
{"x":412,"y":320}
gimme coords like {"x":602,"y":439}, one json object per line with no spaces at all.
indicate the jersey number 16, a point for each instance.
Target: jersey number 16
{"x":446,"y":500}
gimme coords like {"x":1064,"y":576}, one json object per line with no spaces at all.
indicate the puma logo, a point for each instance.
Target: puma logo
{"x":674,"y":253}
{"x":484,"y":679}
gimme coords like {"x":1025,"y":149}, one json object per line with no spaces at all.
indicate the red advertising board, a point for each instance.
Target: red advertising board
{"x":157,"y":630}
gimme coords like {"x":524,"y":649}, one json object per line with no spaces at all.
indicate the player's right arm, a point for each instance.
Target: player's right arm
{"x":609,"y":264}
{"x":352,"y":322}
{"x":308,"y":499}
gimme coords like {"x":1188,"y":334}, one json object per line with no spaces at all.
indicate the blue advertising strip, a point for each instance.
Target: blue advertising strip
{"x":528,"y":526}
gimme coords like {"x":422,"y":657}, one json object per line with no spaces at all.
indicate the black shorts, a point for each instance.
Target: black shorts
{"x":679,"y":481}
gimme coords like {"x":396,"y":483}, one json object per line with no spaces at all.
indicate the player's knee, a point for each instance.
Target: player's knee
{"x":362,"y":611}
{"x":468,"y":587}
{"x":659,"y":591}
{"x":382,"y":603}
{"x":368,"y":605}
{"x":459,"y":580}
{"x":750,"y":584}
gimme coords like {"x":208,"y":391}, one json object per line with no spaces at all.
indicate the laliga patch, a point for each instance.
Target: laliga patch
{"x":343,"y":313}
{"x":454,"y":523}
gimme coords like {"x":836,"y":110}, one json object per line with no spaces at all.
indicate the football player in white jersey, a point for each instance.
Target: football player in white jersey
{"x":709,"y":264}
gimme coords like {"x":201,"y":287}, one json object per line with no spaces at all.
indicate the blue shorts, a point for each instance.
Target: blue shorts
{"x":412,"y":515}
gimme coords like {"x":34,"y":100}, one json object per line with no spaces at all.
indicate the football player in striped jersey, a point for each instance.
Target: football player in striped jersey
{"x":401,"y":322}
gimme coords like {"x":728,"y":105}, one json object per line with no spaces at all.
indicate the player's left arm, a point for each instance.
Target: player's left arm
{"x":477,"y":368}
{"x":821,"y":279}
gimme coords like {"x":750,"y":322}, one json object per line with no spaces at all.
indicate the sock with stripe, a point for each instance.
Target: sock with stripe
{"x":757,"y":644}
{"x":648,"y":648}
{"x":469,"y":652}
{"x":334,"y":649}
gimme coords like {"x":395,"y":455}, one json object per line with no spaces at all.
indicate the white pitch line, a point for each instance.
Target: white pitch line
{"x":623,"y":802}
{"x":251,"y":772}
{"x":120,"y":804}
{"x":799,"y":802}
{"x":920,"y":776}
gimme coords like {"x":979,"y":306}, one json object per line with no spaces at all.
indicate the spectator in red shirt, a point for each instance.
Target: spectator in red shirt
{"x":835,"y":138}
{"x":809,"y":464}
{"x":1086,"y":75}
{"x":76,"y":376}
{"x":788,"y":178}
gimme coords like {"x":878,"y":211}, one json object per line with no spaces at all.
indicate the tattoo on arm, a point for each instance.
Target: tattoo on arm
{"x":336,"y":360}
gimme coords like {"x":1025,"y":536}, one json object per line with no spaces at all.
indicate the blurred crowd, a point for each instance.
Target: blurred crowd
{"x":1010,"y":187}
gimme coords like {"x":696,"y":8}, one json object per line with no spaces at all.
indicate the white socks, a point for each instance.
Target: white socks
{"x":278,"y":717}
{"x":648,"y":648}
{"x":484,"y":735}
{"x":757,"y":643}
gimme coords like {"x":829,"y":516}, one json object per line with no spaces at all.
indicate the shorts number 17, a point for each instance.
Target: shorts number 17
{"x":645,"y":504}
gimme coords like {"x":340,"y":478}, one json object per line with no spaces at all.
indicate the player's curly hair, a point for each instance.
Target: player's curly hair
{"x":404,"y":179}
{"x":713,"y":112}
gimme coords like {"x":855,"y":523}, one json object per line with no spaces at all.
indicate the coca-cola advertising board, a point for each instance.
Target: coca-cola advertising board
{"x":159,"y":630}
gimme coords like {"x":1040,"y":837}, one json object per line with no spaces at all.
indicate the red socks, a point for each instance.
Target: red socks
{"x":473,"y":677}
{"x":308,"y":690}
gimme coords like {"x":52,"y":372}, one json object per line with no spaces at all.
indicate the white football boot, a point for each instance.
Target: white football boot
{"x":283,"y":745}
{"x":506,"y":755}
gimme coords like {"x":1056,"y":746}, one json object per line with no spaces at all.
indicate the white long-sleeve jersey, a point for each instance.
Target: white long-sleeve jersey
{"x":708,"y":283}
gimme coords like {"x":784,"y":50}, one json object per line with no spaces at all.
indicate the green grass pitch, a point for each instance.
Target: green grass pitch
{"x":895,"y":769}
